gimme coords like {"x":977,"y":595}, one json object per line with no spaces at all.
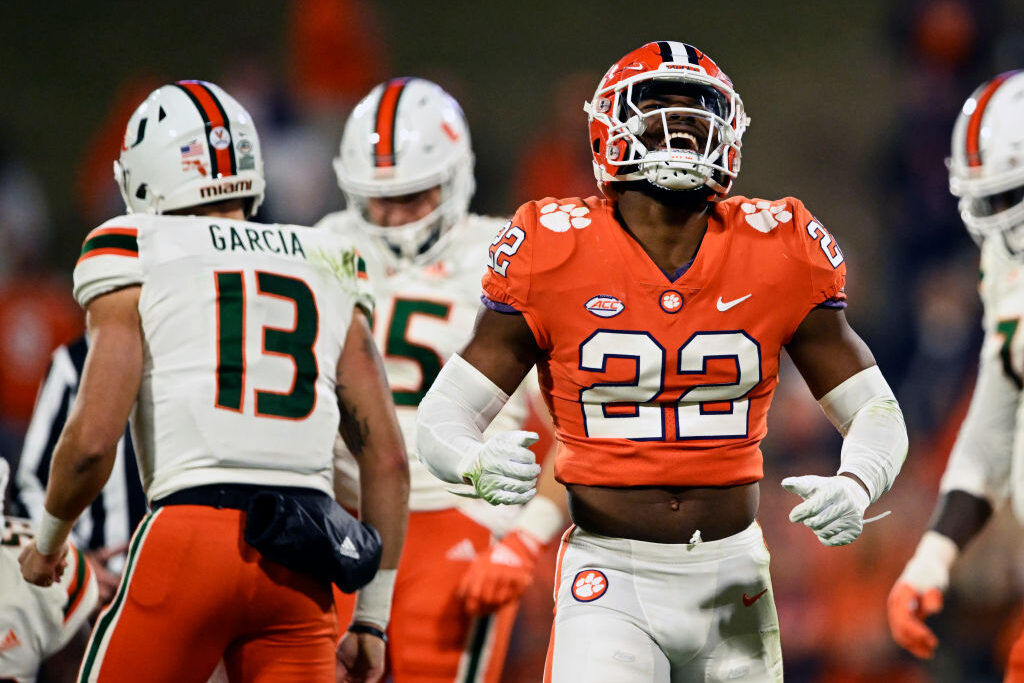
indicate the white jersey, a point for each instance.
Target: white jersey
{"x":988,"y":458}
{"x":243,"y":326}
{"x":425,"y":313}
{"x":35,"y":621}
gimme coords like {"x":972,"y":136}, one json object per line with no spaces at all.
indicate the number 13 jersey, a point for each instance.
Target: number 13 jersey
{"x":654,"y":379}
{"x":243,"y":325}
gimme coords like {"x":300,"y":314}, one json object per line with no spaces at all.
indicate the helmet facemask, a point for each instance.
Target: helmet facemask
{"x":419,"y":241}
{"x":679,"y":146}
{"x":999,"y":213}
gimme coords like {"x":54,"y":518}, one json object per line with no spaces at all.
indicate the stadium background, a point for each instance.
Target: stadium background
{"x":852,"y":104}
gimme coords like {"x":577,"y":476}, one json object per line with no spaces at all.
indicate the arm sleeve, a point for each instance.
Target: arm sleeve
{"x":980,"y":462}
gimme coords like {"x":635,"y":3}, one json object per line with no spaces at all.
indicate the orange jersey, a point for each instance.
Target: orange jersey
{"x":654,"y":380}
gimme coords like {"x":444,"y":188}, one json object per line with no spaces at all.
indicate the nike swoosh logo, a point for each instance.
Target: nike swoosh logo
{"x":748,"y":600}
{"x":726,"y":305}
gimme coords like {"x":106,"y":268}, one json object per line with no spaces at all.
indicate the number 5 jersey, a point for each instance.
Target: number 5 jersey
{"x":656,"y":379}
{"x":243,"y":326}
{"x":424,"y":314}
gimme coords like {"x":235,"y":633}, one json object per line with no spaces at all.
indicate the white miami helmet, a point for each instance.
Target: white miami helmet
{"x":189,"y":143}
{"x":407,"y":135}
{"x":986,"y":167}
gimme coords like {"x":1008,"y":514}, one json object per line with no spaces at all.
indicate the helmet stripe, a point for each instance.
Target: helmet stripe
{"x":665,"y":51}
{"x":387,"y":116}
{"x":974,"y":124}
{"x":222,"y":161}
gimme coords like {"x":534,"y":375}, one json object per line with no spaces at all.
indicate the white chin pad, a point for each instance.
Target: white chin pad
{"x":674,"y":169}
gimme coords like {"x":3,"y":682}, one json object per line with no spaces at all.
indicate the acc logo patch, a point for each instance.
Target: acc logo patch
{"x":604,"y":306}
{"x":589,"y":585}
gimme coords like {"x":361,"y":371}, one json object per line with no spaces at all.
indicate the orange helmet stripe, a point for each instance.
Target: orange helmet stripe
{"x":387,"y":114}
{"x":974,"y":124}
{"x":222,"y":161}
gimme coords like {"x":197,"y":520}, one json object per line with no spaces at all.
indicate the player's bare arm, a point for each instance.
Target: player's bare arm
{"x":370,"y":430}
{"x":502,"y":348}
{"x":827,"y":351}
{"x":85,"y":452}
{"x":841,"y":373}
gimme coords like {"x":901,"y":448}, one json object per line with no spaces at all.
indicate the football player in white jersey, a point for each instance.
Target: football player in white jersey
{"x":43,"y":630}
{"x":986,"y":466}
{"x":406,"y":169}
{"x":237,"y":349}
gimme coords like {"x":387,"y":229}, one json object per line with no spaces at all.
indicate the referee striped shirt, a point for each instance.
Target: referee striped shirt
{"x":113,"y":516}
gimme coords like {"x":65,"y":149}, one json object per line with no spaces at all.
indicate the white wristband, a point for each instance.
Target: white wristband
{"x":930,"y":565}
{"x":373,"y":601}
{"x":52,"y":533}
{"x":541,"y":518}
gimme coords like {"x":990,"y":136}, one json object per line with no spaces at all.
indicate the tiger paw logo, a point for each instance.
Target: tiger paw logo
{"x":589,"y":585}
{"x":764,"y":217}
{"x":670,"y":301}
{"x":560,"y":217}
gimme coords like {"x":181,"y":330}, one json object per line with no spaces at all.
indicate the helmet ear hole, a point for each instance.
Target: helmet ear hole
{"x":142,"y":191}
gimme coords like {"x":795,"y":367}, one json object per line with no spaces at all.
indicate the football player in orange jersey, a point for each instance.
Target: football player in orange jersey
{"x":656,"y":316}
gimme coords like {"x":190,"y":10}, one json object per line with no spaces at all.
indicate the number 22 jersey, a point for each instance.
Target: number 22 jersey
{"x":243,"y":326}
{"x":654,"y":379}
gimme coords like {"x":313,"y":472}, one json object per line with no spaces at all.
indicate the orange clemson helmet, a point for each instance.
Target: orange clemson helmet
{"x":666,"y":113}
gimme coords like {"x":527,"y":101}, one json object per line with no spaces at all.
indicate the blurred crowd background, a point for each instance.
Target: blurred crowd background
{"x":852,"y":107}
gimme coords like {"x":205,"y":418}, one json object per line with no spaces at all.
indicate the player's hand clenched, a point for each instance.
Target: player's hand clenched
{"x":503,"y":471}
{"x":360,"y":658}
{"x":907,"y":608}
{"x":42,"y":570}
{"x":500,"y":574}
{"x":833,"y":507}
{"x":918,"y":592}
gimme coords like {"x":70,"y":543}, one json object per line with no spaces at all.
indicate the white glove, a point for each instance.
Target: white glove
{"x":503,"y":471}
{"x":833,"y":507}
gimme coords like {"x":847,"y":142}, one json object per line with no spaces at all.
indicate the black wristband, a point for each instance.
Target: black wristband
{"x":366,"y":628}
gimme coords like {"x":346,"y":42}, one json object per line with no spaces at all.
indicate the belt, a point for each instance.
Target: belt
{"x":232,"y":496}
